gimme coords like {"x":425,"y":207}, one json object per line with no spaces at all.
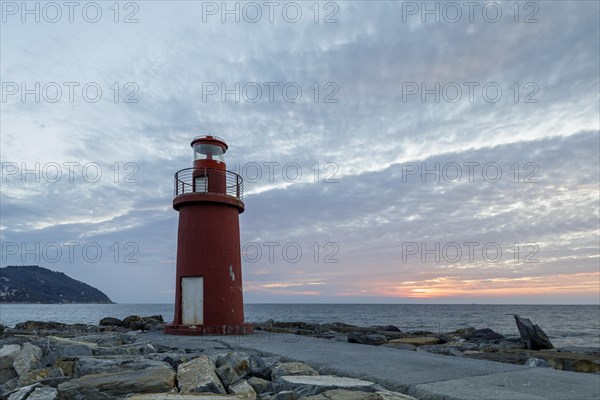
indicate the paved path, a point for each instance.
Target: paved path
{"x":420,"y":374}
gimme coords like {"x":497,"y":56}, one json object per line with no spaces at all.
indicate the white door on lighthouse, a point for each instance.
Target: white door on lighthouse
{"x":192,"y":299}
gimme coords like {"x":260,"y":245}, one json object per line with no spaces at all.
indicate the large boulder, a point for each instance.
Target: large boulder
{"x":98,"y":365}
{"x":110,"y":321}
{"x":372,"y":339}
{"x":199,"y":376}
{"x":292,"y":368}
{"x":119,"y":384}
{"x":339,"y":394}
{"x":50,"y":376}
{"x":27,"y":359}
{"x":242,"y":388}
{"x":43,"y":393}
{"x":8,"y":352}
{"x":304,"y":385}
{"x":485,"y":334}
{"x":532,"y":335}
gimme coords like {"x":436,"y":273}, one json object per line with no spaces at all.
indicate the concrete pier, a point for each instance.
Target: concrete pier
{"x":419,"y":374}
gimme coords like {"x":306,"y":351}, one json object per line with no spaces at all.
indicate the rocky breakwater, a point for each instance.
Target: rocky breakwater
{"x":532,"y":347}
{"x":49,"y":361}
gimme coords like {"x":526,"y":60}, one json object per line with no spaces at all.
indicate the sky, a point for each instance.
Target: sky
{"x":392,"y":152}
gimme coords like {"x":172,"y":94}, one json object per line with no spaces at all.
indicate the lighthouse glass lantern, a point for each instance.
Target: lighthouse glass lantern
{"x":208,"y":288}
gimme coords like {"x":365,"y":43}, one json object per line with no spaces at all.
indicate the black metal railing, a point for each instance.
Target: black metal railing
{"x":210,"y":181}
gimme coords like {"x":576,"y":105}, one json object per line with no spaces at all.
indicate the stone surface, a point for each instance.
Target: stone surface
{"x":110,"y":321}
{"x":238,"y":361}
{"x":286,"y":395}
{"x":119,"y":384}
{"x":372,"y":339}
{"x":243,"y":389}
{"x":27,"y":359}
{"x":227,"y":375}
{"x":47,"y":375}
{"x":199,"y":376}
{"x":532,"y":335}
{"x":536,"y":362}
{"x":44,"y":393}
{"x":96,"y":365}
{"x":7,"y":350}
{"x":259,"y":385}
{"x":22,"y":393}
{"x":170,"y":396}
{"x":417,"y":340}
{"x":306,"y":385}
{"x":292,"y":368}
{"x":486,"y":334}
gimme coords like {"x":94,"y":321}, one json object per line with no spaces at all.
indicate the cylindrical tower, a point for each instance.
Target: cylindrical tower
{"x":208,"y":290}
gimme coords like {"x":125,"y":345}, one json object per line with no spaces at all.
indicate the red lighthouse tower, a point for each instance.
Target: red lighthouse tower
{"x":208,"y":291}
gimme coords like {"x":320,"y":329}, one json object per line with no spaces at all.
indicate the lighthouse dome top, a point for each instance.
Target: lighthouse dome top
{"x":210,"y":140}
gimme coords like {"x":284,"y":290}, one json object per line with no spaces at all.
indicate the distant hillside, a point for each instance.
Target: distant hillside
{"x":33,"y":284}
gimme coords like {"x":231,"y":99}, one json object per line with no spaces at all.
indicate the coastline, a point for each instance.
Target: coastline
{"x":315,"y":361}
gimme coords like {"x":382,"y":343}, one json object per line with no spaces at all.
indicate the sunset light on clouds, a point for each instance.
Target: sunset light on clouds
{"x":376,"y":197}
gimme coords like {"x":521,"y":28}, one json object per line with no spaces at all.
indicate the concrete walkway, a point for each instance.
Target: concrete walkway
{"x":420,"y":374}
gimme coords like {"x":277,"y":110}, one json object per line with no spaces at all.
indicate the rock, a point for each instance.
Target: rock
{"x":55,"y":348}
{"x":387,"y":395}
{"x":8,"y":350}
{"x":420,"y":340}
{"x":44,"y":393}
{"x":386,"y":328}
{"x":49,"y":376}
{"x":134,"y":322}
{"x":169,"y":396}
{"x":486,"y":334}
{"x":22,"y":393}
{"x":532,"y":335}
{"x":6,"y":374}
{"x":119,"y":384}
{"x":304,"y":385}
{"x":227,"y":375}
{"x":259,"y":385}
{"x":199,"y":376}
{"x":292,"y":368}
{"x":242,"y":388}
{"x":344,"y":395}
{"x":27,"y":359}
{"x":240,"y":362}
{"x":174,"y":358}
{"x":96,"y":365}
{"x":372,"y":339}
{"x":400,"y":346}
{"x":537,"y":363}
{"x":465,"y":333}
{"x":286,"y":395}
{"x":441,"y":349}
{"x":110,"y":321}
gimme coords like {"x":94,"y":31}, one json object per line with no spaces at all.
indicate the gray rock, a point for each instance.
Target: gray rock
{"x":372,"y":339}
{"x":344,"y":395}
{"x":240,"y":362}
{"x":6,"y":374}
{"x":313,"y":385}
{"x":532,"y":335}
{"x":259,"y":385}
{"x":441,"y":349}
{"x":97,"y":365}
{"x":227,"y":375}
{"x":110,"y":321}
{"x":22,"y":393}
{"x":50,"y":376}
{"x":537,"y":363}
{"x":44,"y":393}
{"x":292,"y":368}
{"x":199,"y":376}
{"x":9,"y":349}
{"x":54,"y":348}
{"x":243,"y":389}
{"x":27,"y":359}
{"x":286,"y":395}
{"x":174,"y":358}
{"x":486,"y":334}
{"x":119,"y":384}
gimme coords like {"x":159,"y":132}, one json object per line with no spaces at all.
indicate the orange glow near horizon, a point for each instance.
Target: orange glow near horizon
{"x":580,"y":283}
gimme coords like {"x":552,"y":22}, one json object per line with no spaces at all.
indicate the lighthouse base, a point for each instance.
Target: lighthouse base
{"x":201,"y":330}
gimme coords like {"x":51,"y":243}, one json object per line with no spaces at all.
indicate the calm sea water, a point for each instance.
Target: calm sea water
{"x":566,"y":325}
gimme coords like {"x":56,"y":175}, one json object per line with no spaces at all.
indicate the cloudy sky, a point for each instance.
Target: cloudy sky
{"x":392,"y":151}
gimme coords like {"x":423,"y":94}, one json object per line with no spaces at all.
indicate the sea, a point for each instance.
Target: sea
{"x":565,"y":325}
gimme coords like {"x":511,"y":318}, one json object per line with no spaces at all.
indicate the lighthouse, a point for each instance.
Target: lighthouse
{"x":208,"y":287}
